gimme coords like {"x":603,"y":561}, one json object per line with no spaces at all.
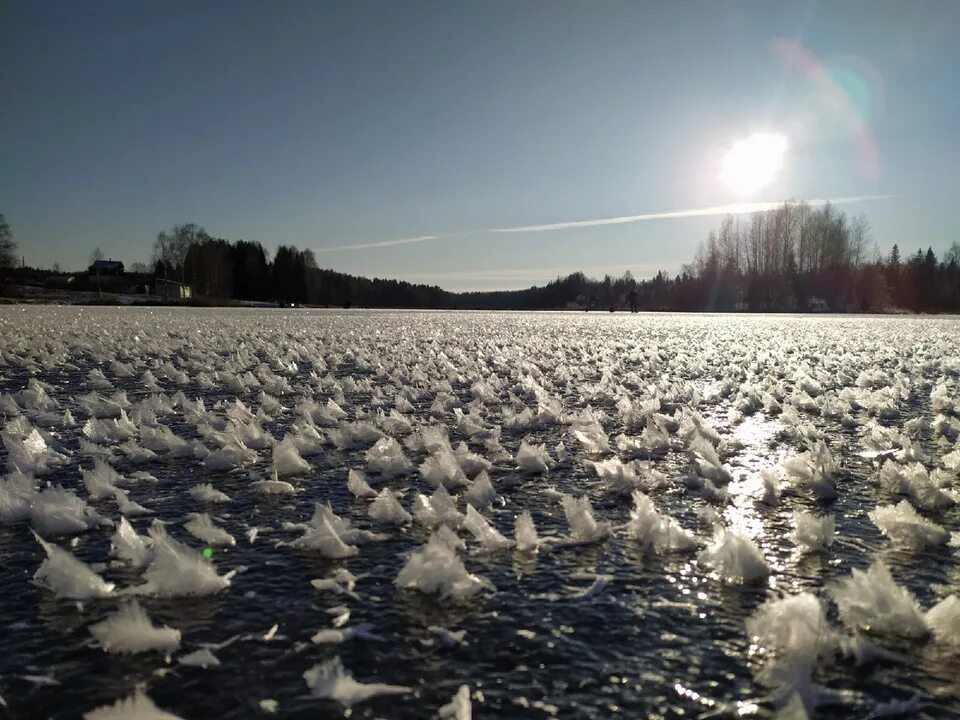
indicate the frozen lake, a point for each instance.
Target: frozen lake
{"x":701,"y":579}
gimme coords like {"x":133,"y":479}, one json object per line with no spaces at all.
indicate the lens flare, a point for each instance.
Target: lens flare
{"x":846,"y":92}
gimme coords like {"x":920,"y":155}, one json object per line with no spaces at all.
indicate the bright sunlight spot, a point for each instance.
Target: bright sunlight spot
{"x":754,"y":162}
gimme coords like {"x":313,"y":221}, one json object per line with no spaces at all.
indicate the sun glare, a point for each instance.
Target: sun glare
{"x":754,"y":162}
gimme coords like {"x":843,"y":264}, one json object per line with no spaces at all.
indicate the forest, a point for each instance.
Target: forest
{"x":798,"y":258}
{"x":792,"y":258}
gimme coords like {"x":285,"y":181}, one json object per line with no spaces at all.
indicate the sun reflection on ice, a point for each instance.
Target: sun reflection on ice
{"x":755,"y":436}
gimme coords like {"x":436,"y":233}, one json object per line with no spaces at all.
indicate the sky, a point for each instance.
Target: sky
{"x":400,"y":139}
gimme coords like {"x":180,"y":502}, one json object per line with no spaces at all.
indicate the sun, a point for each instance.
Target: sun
{"x":752,"y":163}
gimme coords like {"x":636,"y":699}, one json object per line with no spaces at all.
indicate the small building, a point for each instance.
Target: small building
{"x":170,"y":290}
{"x":105,"y":268}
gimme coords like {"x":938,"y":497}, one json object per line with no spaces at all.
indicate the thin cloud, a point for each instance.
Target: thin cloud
{"x":731,"y":209}
{"x":381,"y":244}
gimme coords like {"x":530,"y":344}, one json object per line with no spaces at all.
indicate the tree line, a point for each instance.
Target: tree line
{"x":797,"y":258}
{"x":790,"y":258}
{"x":244,"y":270}
{"x":793,"y":257}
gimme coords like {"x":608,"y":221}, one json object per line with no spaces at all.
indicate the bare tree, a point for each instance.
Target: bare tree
{"x":172,"y":247}
{"x":728,"y":240}
{"x":802,"y":228}
{"x":96,"y":257}
{"x":953,"y":254}
{"x":8,"y":248}
{"x":859,"y":238}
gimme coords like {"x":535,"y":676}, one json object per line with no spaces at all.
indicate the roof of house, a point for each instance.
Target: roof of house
{"x":106,"y":264}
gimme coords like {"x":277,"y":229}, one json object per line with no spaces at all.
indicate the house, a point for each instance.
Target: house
{"x":171,"y":290}
{"x":106,"y":276}
{"x":105,"y":268}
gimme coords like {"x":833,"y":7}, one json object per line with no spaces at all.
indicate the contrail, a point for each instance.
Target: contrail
{"x":382,"y":243}
{"x":732,"y":209}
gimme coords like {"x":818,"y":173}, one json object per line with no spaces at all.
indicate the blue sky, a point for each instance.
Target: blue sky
{"x":337,"y":124}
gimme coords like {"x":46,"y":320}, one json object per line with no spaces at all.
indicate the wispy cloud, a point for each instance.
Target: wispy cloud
{"x":381,"y":244}
{"x":731,"y":209}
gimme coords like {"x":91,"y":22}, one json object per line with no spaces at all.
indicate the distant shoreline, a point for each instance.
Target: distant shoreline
{"x":764,"y":266}
{"x":115,"y":300}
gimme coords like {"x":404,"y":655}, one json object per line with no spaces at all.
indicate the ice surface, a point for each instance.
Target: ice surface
{"x":135,"y":707}
{"x":813,"y":533}
{"x":906,"y":527}
{"x":232,"y":455}
{"x":774,"y":435}
{"x":655,"y":532}
{"x":943,"y":619}
{"x":358,"y":486}
{"x":387,"y":459}
{"x":442,"y":468}
{"x":129,"y":630}
{"x":274,"y":487}
{"x":459,"y":707}
{"x":175,"y":570}
{"x":127,"y":545}
{"x":287,"y":461}
{"x":68,"y":577}
{"x":708,"y":460}
{"x":436,"y":569}
{"x":16,"y":493}
{"x":55,"y":511}
{"x":814,"y":470}
{"x":480,"y":493}
{"x":584,"y":528}
{"x":386,"y":509}
{"x":484,"y":532}
{"x":101,"y":482}
{"x":872,"y":601}
{"x":525,"y":533}
{"x":792,"y":636}
{"x":437,"y":509}
{"x":533,"y":458}
{"x":202,"y":658}
{"x":621,"y":479}
{"x":29,"y":452}
{"x":162,"y":439}
{"x":735,"y":557}
{"x":202,"y":527}
{"x":323,"y":537}
{"x":913,"y":481}
{"x":332,"y":680}
{"x":205,"y":492}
